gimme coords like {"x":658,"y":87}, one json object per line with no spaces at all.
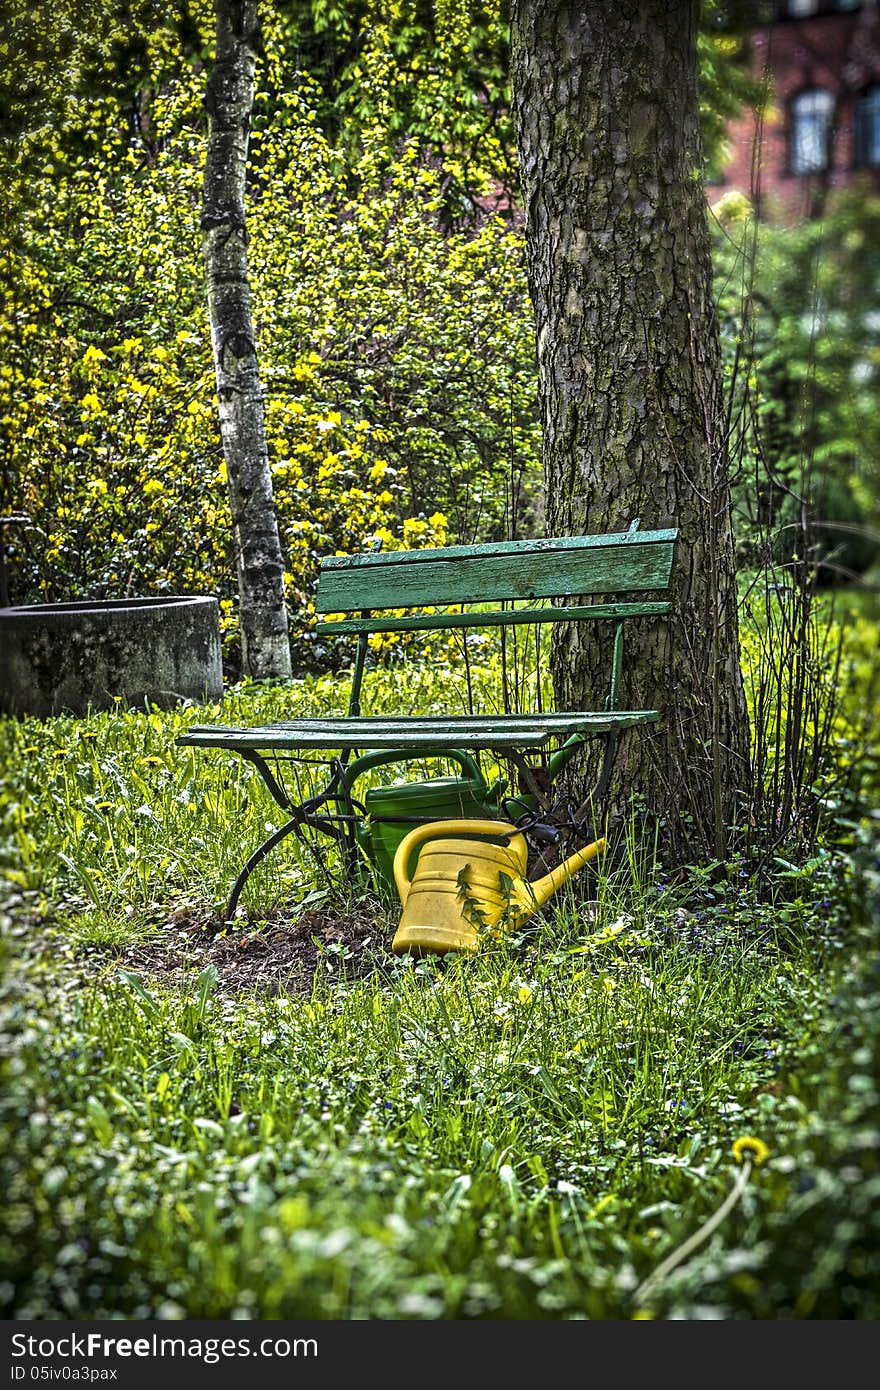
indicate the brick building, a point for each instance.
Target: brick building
{"x":820,"y":61}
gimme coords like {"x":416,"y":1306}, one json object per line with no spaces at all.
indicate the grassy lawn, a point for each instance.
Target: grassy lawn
{"x":289,"y":1121}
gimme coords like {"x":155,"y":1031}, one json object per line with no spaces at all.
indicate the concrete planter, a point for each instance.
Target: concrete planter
{"x":72,"y":657}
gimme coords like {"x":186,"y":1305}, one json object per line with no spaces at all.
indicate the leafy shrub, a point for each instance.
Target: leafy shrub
{"x":800,"y":314}
{"x":830,"y":530}
{"x":397,"y":356}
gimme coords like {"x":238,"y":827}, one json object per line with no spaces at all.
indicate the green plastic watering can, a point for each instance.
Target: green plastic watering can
{"x":393,"y":811}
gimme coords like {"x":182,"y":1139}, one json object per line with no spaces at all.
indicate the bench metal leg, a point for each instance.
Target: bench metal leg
{"x":596,"y":797}
{"x":339,"y":828}
{"x":258,"y":855}
{"x":587,"y":809}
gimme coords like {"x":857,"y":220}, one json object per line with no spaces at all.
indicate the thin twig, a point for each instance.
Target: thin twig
{"x":647,"y":1287}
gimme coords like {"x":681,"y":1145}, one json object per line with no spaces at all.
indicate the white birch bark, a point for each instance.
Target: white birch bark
{"x":259,"y":561}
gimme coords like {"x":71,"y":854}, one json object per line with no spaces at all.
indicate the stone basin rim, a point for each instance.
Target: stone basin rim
{"x":90,"y":654}
{"x":103,"y":605}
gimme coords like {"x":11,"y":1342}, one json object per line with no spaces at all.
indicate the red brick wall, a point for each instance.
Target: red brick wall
{"x":837,"y":51}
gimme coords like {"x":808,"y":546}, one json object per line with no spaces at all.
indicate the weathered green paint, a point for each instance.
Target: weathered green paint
{"x":424,"y":735}
{"x":560,"y":721}
{"x":534,"y":545}
{"x":574,"y":566}
{"x":357,"y":680}
{"x":616,"y":667}
{"x":495,"y":617}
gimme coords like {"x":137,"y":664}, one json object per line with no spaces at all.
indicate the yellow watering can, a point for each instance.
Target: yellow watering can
{"x":470,"y":877}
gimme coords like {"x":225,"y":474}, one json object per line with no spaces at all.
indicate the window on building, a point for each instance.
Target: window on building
{"x":811,"y":113}
{"x":868,"y":127}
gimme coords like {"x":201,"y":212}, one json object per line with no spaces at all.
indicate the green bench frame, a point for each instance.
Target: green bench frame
{"x":582,"y":577}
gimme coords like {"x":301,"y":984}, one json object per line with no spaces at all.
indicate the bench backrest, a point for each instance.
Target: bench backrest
{"x":528,"y":571}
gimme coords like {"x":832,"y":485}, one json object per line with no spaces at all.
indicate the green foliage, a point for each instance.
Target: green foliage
{"x":422,"y":337}
{"x":525,"y":1133}
{"x":811,"y":684}
{"x":397,"y":354}
{"x":80,"y":48}
{"x":725,"y":80}
{"x":800,"y":308}
{"x":397,"y":357}
{"x":433,"y":74}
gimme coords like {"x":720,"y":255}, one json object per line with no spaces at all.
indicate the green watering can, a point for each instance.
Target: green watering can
{"x":393,"y":811}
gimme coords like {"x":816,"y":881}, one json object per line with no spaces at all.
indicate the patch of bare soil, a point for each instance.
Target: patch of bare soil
{"x":274,"y":956}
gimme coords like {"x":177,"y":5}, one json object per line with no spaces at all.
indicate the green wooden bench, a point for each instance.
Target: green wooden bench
{"x":598,"y":579}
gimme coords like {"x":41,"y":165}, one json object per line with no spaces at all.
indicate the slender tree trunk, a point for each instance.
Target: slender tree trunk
{"x":605,"y":95}
{"x":259,"y":562}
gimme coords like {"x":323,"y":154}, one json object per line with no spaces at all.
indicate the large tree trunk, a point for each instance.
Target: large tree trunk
{"x":605,"y":96}
{"x":259,"y":562}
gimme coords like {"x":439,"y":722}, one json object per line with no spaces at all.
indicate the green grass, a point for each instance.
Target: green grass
{"x":523,"y":1134}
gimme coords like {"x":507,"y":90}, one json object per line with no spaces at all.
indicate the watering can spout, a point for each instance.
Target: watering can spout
{"x":542,"y":889}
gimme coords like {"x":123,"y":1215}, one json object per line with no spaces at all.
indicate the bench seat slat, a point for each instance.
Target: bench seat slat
{"x":459,"y":725}
{"x":495,"y":617}
{"x":555,"y":568}
{"x":425,"y":734}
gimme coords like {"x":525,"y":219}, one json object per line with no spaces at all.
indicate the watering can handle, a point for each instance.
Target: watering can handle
{"x":469,"y":765}
{"x":431,"y":830}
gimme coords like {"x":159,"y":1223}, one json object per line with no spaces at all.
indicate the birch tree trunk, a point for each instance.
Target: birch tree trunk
{"x":605,"y":96}
{"x":259,"y":562}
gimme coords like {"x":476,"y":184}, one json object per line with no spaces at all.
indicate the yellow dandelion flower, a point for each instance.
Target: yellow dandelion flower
{"x":749,"y":1145}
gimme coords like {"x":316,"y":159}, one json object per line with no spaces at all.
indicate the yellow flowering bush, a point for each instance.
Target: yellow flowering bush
{"x":396,"y":358}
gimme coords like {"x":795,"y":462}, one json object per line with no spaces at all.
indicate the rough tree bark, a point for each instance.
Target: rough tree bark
{"x":259,"y":562}
{"x":605,"y":95}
